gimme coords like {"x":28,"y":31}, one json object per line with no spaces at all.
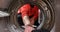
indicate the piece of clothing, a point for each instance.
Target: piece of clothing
{"x":28,"y":10}
{"x":28,"y":29}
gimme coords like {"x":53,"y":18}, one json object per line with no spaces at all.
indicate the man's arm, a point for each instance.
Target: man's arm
{"x":24,"y":10}
{"x":26,"y":20}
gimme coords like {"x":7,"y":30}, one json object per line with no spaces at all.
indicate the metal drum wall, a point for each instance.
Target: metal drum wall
{"x":44,"y":5}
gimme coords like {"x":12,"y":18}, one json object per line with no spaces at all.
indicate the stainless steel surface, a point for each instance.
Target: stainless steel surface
{"x":3,"y":25}
{"x":57,"y":15}
{"x":4,"y":3}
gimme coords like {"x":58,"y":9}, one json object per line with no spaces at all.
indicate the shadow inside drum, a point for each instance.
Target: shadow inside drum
{"x":20,"y":21}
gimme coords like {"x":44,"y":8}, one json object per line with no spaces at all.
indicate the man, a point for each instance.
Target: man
{"x":29,"y":16}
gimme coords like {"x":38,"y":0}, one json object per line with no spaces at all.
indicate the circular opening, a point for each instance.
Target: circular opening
{"x":36,"y":23}
{"x":42,"y":17}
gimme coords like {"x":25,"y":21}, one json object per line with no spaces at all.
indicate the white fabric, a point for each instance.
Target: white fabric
{"x":3,"y":14}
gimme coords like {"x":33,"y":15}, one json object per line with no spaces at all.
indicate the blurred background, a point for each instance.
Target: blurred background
{"x":4,"y":4}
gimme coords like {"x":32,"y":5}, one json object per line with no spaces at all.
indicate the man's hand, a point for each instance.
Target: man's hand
{"x":28,"y":29}
{"x":32,"y":21}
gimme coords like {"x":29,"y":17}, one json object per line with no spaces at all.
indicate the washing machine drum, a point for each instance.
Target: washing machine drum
{"x":45,"y":18}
